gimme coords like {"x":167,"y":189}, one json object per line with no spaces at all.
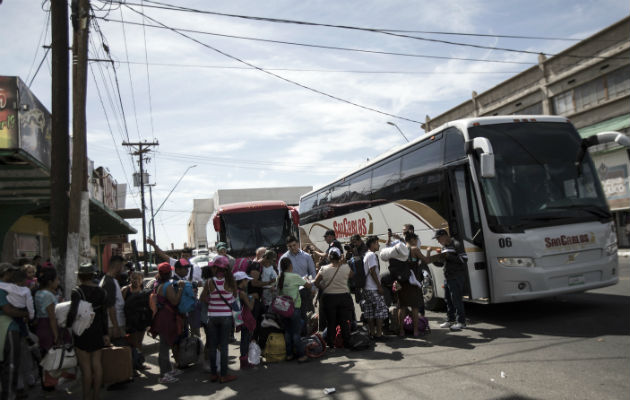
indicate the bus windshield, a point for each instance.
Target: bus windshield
{"x":538,"y":182}
{"x":246,"y":231}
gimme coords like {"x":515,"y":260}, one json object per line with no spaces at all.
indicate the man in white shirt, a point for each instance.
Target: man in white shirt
{"x":375,"y":310}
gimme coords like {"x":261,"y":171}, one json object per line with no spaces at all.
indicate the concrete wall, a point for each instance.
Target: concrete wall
{"x":601,"y":54}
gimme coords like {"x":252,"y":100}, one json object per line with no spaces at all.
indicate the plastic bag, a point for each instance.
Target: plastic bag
{"x":254,"y":353}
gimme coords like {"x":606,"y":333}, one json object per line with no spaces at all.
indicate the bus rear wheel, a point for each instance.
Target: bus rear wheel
{"x":431,"y":302}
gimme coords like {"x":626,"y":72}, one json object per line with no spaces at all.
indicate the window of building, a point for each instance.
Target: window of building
{"x":589,"y":94}
{"x":619,"y":82}
{"x":563,"y":103}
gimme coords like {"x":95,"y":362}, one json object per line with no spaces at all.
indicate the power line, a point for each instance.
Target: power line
{"x":310,"y":45}
{"x":42,"y":40}
{"x":109,"y":130}
{"x":146,"y":59}
{"x":133,"y":96}
{"x":181,"y":65}
{"x":38,"y":67}
{"x":279,"y":76}
{"x":389,"y":32}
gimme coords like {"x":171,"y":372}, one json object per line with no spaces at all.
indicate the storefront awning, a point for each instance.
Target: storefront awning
{"x":613,"y":124}
{"x":104,"y":221}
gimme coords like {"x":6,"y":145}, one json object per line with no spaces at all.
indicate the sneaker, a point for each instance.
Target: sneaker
{"x":166,"y":379}
{"x":457,"y":326}
{"x":447,"y":324}
{"x":175,"y":372}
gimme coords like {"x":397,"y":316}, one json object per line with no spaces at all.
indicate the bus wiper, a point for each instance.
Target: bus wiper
{"x":595,"y":210}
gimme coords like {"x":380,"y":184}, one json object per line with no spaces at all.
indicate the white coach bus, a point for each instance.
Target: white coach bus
{"x":520,"y":192}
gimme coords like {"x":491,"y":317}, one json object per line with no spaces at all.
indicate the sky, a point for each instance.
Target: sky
{"x":201,"y":97}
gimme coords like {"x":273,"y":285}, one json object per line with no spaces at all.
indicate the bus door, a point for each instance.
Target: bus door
{"x":465,"y":225}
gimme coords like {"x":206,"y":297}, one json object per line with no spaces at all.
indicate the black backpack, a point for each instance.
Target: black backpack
{"x":359,"y":277}
{"x":138,"y":314}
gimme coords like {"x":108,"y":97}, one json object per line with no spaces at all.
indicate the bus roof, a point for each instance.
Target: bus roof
{"x":462,"y":124}
{"x":252,"y":206}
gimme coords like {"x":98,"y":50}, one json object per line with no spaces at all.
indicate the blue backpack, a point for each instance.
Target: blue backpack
{"x":188,"y":299}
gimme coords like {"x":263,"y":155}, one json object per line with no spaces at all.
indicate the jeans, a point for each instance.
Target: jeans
{"x":246,"y":337}
{"x":453,"y":292}
{"x":219,"y":329}
{"x":164,"y":359}
{"x":292,"y":334}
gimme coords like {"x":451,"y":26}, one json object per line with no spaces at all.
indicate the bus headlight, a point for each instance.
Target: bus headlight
{"x":517,"y":261}
{"x":611,"y":249}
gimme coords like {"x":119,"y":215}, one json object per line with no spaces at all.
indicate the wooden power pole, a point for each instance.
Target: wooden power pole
{"x":60,"y":146}
{"x":143,"y":148}
{"x":78,"y":222}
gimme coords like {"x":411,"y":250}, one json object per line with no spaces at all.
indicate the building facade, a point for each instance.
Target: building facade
{"x":589,"y":83}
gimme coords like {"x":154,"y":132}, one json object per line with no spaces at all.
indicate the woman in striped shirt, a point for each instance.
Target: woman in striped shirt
{"x":219,"y":294}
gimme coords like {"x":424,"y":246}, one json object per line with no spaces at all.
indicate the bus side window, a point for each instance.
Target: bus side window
{"x":454,"y":145}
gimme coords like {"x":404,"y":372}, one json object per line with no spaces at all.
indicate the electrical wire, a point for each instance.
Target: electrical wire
{"x":180,"y":65}
{"x":42,"y":39}
{"x":39,"y":66}
{"x":389,"y":32}
{"x":279,"y":76}
{"x":133,"y":95}
{"x":310,"y":45}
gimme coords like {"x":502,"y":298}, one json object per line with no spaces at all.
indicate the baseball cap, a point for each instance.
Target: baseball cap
{"x":182,"y":263}
{"x":221,"y":262}
{"x":440,"y":232}
{"x":240,"y":275}
{"x":329,"y":232}
{"x":4,"y":267}
{"x":222,"y":245}
{"x":164,"y":268}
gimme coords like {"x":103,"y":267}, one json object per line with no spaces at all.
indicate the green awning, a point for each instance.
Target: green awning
{"x":104,"y":221}
{"x":613,"y":124}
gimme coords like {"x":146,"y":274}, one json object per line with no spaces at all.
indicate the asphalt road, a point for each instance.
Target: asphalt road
{"x":568,"y":347}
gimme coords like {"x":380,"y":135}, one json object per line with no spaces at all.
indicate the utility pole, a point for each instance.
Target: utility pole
{"x":143,"y":147}
{"x":60,"y":145}
{"x":79,"y":219}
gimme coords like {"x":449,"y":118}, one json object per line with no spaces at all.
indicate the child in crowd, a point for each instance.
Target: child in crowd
{"x":268,"y":274}
{"x":249,"y":323}
{"x":18,"y":294}
{"x":31,"y":279}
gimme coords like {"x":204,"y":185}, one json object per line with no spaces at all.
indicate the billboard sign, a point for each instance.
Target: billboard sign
{"x":8,"y":113}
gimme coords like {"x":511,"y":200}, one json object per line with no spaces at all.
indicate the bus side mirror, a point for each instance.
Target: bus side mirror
{"x":482,"y":146}
{"x":607,"y":137}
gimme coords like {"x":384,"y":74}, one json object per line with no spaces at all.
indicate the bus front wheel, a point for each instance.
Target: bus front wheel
{"x":431,"y":302}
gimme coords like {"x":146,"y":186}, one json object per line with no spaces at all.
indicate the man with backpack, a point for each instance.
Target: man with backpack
{"x":375,"y":310}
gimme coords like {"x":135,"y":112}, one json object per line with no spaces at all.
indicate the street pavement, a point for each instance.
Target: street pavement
{"x":567,"y":347}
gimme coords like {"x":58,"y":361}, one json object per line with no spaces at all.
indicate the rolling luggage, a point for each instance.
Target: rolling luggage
{"x":117,"y":365}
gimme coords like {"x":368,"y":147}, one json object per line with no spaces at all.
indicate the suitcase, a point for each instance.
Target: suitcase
{"x":117,"y":365}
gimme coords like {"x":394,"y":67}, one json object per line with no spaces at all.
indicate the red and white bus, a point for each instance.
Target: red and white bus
{"x":250,"y":225}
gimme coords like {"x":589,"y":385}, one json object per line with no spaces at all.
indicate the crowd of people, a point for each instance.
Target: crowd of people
{"x":300,"y":296}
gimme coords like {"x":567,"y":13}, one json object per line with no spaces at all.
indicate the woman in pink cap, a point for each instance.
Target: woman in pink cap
{"x":219,"y":293}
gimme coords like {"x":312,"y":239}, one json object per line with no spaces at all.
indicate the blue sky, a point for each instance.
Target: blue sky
{"x":244,"y":128}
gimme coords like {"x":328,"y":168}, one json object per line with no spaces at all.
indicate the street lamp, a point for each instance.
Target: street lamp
{"x":396,"y":126}
{"x":172,"y":190}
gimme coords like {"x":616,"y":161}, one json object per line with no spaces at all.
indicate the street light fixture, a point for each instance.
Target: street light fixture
{"x":172,"y":190}
{"x":396,"y":126}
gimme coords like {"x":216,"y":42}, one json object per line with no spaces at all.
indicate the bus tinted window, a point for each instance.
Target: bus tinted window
{"x":422,"y":159}
{"x":454,"y":145}
{"x":307,"y":204}
{"x":385,"y":179}
{"x":360,"y":187}
{"x":429,"y":188}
